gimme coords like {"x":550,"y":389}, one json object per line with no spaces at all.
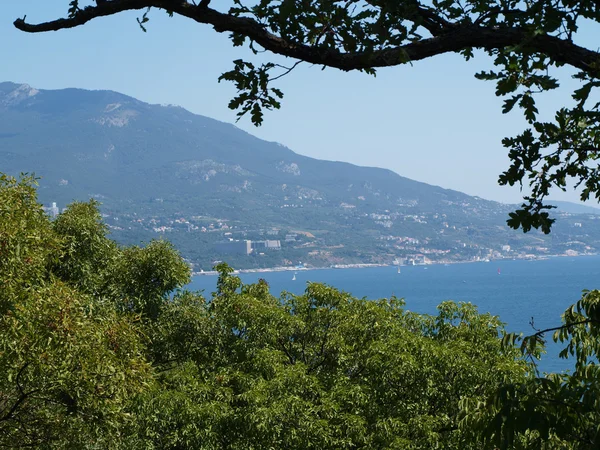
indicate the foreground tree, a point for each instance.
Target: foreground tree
{"x":72,"y":353}
{"x":527,"y":41}
{"x":322,"y":370}
{"x":556,"y":410}
{"x":97,"y":352}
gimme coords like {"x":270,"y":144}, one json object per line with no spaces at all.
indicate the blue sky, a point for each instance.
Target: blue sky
{"x":432,"y":121}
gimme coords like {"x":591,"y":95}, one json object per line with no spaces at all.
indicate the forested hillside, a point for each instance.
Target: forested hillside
{"x":163,"y":171}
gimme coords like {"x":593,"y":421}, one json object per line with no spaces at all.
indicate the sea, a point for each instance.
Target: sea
{"x":526,"y":295}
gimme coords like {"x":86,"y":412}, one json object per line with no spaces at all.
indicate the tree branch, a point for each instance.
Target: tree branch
{"x":432,"y":22}
{"x":10,"y":413}
{"x":291,"y":359}
{"x":540,"y":333}
{"x":459,"y":38}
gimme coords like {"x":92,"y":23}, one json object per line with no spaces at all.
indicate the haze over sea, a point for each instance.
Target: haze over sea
{"x":517,"y":291}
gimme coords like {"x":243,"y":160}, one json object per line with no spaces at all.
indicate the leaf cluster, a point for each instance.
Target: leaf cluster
{"x":554,"y":410}
{"x":72,"y":352}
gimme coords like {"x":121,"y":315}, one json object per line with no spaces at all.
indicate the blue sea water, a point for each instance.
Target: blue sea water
{"x":517,"y":291}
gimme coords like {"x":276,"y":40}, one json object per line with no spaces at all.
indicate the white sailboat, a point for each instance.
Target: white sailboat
{"x":294,"y":277}
{"x":398,"y":269}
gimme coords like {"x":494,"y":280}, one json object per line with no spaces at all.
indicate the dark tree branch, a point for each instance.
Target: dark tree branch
{"x":540,"y":333}
{"x":287,"y":70}
{"x":291,"y":359}
{"x":432,"y":22}
{"x":22,"y":397}
{"x":460,"y":37}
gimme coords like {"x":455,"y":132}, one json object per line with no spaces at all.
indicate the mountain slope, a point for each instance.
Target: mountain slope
{"x":129,"y":143}
{"x":574,"y":208}
{"x":150,"y":165}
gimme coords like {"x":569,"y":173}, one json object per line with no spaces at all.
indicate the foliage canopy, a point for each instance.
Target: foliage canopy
{"x":101,"y":348}
{"x":97,"y":352}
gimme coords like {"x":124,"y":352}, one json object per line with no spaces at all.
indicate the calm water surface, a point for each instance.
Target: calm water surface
{"x":517,"y":291}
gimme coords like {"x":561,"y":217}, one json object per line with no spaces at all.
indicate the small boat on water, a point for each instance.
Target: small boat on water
{"x":398,"y":269}
{"x":294,"y":277}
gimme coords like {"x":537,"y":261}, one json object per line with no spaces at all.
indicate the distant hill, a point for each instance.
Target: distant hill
{"x":163,"y":151}
{"x":163,"y":170}
{"x":574,"y":208}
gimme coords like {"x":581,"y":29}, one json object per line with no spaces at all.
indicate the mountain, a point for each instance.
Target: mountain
{"x":163,"y":170}
{"x":574,"y":208}
{"x":152,"y":150}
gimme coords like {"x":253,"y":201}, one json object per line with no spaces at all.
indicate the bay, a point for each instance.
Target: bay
{"x":520,"y":292}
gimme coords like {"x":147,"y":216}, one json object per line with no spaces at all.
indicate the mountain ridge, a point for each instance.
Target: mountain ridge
{"x":113,"y":96}
{"x":574,"y":208}
{"x":119,"y":111}
{"x":150,"y":164}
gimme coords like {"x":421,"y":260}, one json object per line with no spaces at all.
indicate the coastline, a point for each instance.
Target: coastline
{"x":295,"y":269}
{"x":369,"y":265}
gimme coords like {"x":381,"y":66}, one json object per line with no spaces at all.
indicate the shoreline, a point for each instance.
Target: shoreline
{"x":370,"y":265}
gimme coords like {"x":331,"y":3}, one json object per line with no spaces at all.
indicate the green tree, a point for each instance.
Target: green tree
{"x":26,"y":242}
{"x":142,"y":278}
{"x":69,"y":367}
{"x":528,"y":41}
{"x":99,"y":348}
{"x":556,"y":410}
{"x":86,"y":252}
{"x":321,"y":370}
{"x":71,"y":357}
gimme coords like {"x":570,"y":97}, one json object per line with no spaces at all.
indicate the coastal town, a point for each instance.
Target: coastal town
{"x":204,"y":241}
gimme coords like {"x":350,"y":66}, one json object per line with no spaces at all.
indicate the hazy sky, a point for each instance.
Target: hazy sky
{"x":432,"y":121}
